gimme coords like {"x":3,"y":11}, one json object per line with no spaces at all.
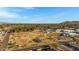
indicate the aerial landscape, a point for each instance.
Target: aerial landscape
{"x":39,"y":29}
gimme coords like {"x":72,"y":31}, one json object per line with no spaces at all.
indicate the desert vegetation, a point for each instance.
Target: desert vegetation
{"x":30,"y":35}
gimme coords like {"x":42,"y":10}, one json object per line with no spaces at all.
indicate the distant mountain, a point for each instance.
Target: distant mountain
{"x":66,"y":25}
{"x":65,"y":22}
{"x":70,"y":22}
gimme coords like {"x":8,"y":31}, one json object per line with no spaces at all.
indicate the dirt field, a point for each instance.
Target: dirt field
{"x":25,"y":39}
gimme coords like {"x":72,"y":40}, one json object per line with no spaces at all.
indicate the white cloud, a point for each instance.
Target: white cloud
{"x":4,"y":12}
{"x":8,"y":14}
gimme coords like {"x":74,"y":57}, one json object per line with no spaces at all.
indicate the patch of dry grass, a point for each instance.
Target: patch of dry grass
{"x":25,"y":39}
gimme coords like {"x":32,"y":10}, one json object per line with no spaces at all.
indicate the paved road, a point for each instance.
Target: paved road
{"x":31,"y":48}
{"x":65,"y":48}
{"x":74,"y":44}
{"x":75,"y":47}
{"x":38,"y":47}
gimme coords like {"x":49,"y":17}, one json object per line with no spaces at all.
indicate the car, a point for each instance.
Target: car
{"x":46,"y":48}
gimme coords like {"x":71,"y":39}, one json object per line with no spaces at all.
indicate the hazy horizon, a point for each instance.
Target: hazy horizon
{"x":38,"y":14}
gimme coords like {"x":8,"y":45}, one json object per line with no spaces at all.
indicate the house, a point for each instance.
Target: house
{"x":73,"y":34}
{"x":69,"y":31}
{"x":77,"y":30}
{"x":50,"y":30}
{"x":59,"y":30}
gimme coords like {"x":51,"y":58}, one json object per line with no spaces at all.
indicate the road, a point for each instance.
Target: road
{"x":31,"y":48}
{"x":5,"y":40}
{"x":75,"y":47}
{"x":65,"y":48}
{"x":38,"y":47}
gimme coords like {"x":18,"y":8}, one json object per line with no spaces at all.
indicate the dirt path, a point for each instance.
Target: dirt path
{"x":5,"y":40}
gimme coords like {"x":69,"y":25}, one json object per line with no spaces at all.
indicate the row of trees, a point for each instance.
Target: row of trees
{"x":27,"y":27}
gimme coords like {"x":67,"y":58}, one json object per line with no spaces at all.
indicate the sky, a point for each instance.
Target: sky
{"x":38,"y":14}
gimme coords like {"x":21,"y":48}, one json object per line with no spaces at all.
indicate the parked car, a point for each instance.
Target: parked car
{"x":46,"y":48}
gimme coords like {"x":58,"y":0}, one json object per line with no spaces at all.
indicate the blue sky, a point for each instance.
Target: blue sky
{"x":38,"y":14}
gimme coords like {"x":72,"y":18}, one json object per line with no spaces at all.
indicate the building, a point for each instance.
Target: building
{"x":77,"y":30}
{"x":73,"y":34}
{"x":50,"y":30}
{"x":59,"y":30}
{"x":69,"y":31}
